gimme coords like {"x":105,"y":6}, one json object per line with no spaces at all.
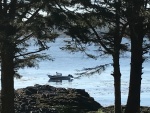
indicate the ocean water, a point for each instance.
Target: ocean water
{"x":99,"y":86}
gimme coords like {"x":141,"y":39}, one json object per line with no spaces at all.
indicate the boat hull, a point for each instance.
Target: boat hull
{"x":59,"y":77}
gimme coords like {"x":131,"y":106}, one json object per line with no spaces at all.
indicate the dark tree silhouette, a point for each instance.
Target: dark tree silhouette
{"x":137,"y":14}
{"x":23,"y":23}
{"x":85,"y":29}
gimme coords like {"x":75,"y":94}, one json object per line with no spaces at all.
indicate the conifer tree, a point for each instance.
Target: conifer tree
{"x":137,"y":13}
{"x":123,"y":18}
{"x":87,"y":21}
{"x":23,"y":23}
{"x":123,"y":15}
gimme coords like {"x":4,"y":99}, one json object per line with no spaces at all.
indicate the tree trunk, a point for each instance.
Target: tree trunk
{"x":116,"y":58}
{"x":133,"y":102}
{"x":7,"y":79}
{"x":117,"y":83}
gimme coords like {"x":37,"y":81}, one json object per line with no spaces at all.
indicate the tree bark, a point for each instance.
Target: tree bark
{"x":137,"y":33}
{"x":7,"y":79}
{"x":117,"y":84}
{"x":133,"y":102}
{"x":116,"y":58}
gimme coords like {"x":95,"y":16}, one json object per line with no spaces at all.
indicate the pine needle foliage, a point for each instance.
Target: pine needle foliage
{"x":94,"y":70}
{"x":25,"y":24}
{"x":25,"y":31}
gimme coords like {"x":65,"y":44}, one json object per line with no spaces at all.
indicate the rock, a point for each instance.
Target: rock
{"x":48,"y":99}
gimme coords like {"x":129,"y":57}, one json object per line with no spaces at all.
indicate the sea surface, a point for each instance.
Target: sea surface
{"x":99,"y":86}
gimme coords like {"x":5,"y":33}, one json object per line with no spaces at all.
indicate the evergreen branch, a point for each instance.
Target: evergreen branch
{"x":123,"y":29}
{"x":24,"y":13}
{"x":40,"y":49}
{"x":93,"y":70}
{"x":146,"y":3}
{"x":145,"y":49}
{"x":33,"y":15}
{"x":98,"y":37}
{"x":31,"y":18}
{"x":30,"y":61}
{"x":27,"y":7}
{"x":12,"y":8}
{"x":1,"y":7}
{"x":24,"y":39}
{"x":5,"y":6}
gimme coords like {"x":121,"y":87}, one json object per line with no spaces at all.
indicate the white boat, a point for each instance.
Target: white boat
{"x":59,"y":76}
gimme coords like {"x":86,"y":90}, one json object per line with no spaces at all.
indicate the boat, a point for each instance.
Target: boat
{"x":59,"y":76}
{"x":59,"y":80}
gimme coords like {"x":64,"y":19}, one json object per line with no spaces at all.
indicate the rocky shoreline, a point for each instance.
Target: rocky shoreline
{"x":49,"y":99}
{"x":110,"y":109}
